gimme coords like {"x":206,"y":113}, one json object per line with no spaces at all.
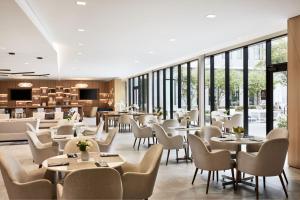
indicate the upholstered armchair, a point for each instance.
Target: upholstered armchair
{"x":170,"y":123}
{"x":124,"y":121}
{"x":66,"y":129}
{"x":194,"y":116}
{"x":209,"y":160}
{"x":21,"y":184}
{"x":235,"y":121}
{"x":43,"y":135}
{"x":41,"y":151}
{"x":263,"y":162}
{"x":71,"y":145}
{"x":139,"y":179}
{"x":96,"y":183}
{"x":105,"y":144}
{"x":139,"y":133}
{"x":169,"y":142}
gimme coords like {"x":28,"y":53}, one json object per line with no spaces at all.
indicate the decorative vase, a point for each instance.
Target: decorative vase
{"x":85,"y":156}
{"x":239,"y":135}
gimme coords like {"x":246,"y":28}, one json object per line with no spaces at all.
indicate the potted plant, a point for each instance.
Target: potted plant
{"x":239,"y":132}
{"x":83,"y":145}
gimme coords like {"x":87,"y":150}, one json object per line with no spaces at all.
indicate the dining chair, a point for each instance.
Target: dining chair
{"x":58,"y":115}
{"x":139,"y":179}
{"x":140,"y":133}
{"x":273,"y":134}
{"x":124,"y":121}
{"x":194,"y":116}
{"x":41,"y":151}
{"x":75,"y":117}
{"x":218,"y":124}
{"x":105,"y":144}
{"x":209,"y":160}
{"x":169,"y":142}
{"x":167,"y":124}
{"x":44,"y":136}
{"x":65,"y":129}
{"x":235,"y":121}
{"x":23,"y":184}
{"x":264,"y":163}
{"x":143,"y":120}
{"x":71,"y":145}
{"x":96,"y":183}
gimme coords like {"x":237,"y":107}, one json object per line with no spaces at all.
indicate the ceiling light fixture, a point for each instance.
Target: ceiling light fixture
{"x":25,"y":84}
{"x":11,"y":53}
{"x":172,"y":40}
{"x":211,"y":16}
{"x":81,"y":85}
{"x":26,"y":63}
{"x":80,"y":30}
{"x":81,"y":3}
{"x":39,"y":58}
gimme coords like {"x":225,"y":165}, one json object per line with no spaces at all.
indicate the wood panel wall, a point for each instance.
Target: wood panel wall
{"x":294,"y":91}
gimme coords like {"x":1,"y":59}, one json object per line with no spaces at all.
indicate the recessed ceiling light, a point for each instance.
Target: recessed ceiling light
{"x":81,"y":3}
{"x":211,"y":16}
{"x":172,"y":40}
{"x":26,"y":63}
{"x":80,"y":30}
{"x":79,"y":53}
{"x":39,"y":58}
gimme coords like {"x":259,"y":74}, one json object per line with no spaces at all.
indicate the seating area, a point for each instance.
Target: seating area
{"x":149,"y":99}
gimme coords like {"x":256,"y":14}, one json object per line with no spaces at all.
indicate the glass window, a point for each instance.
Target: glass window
{"x":280,"y":99}
{"x":161,"y":91}
{"x":145,"y":92}
{"x":175,"y":90}
{"x":257,"y":89}
{"x":207,"y":91}
{"x":155,"y":103}
{"x":279,"y":50}
{"x":236,"y":81}
{"x":184,"y":86}
{"x":219,"y":72}
{"x":168,"y":92}
{"x":194,"y":84}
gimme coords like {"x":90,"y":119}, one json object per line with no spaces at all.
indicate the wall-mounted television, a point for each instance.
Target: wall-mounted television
{"x":20,"y":94}
{"x":88,"y":94}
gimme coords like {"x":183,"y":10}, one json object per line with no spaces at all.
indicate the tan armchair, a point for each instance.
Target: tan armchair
{"x":139,"y":133}
{"x":104,"y":145}
{"x":25,"y":185}
{"x":71,"y":145}
{"x":235,"y":121}
{"x":263,"y":162}
{"x":209,"y":160}
{"x":41,"y":151}
{"x":169,"y":142}
{"x":97,"y":183}
{"x":194,"y":116}
{"x":44,"y":136}
{"x":139,"y":180}
{"x":65,"y":130}
{"x":170,"y":123}
{"x":124,"y":121}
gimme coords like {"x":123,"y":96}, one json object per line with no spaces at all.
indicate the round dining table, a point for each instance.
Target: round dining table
{"x":230,"y":139}
{"x":69,"y":162}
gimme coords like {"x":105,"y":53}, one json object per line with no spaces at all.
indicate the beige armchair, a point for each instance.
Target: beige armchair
{"x":71,"y":145}
{"x":44,"y":136}
{"x":143,"y":120}
{"x":124,"y":121}
{"x":139,"y":133}
{"x":96,"y":183}
{"x":235,"y":121}
{"x":104,"y":145}
{"x":66,"y":129}
{"x":194,"y":116}
{"x":169,"y":142}
{"x":263,"y":162}
{"x":25,"y":185}
{"x":170,"y":123}
{"x":139,"y":180}
{"x":40,"y":151}
{"x":209,"y":160}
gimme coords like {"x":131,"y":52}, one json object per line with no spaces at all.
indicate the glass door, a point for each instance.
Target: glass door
{"x":280,"y":99}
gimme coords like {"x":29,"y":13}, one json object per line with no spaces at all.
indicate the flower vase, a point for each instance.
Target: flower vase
{"x":85,"y":156}
{"x":239,"y":136}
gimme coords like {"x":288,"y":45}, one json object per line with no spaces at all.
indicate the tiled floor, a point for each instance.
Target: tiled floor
{"x":174,"y":180}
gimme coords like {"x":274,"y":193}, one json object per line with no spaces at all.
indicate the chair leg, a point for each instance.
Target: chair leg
{"x":256,"y":187}
{"x":264,"y":181}
{"x":177,"y":155}
{"x":139,"y":143}
{"x":168,"y":156}
{"x":148,"y":142}
{"x":233,"y":179}
{"x":40,"y":166}
{"x":217,"y":174}
{"x":208,"y":179}
{"x":201,"y":171}
{"x":282,"y":183}
{"x":195,"y":174}
{"x":144,"y":140}
{"x":286,"y":180}
{"x":213,"y":176}
{"x":134,"y":143}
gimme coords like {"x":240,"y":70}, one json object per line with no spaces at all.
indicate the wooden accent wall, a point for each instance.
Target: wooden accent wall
{"x":294,"y":91}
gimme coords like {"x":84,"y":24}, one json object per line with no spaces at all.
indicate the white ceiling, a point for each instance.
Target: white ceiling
{"x":124,"y":37}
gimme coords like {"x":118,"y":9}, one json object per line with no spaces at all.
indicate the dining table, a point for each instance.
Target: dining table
{"x":72,"y":162}
{"x":231,"y":139}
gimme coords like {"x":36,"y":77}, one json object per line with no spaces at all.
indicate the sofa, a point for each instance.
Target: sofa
{"x":15,"y":129}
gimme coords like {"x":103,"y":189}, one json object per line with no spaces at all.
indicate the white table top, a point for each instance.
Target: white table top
{"x":233,"y":140}
{"x":184,"y":128}
{"x":76,"y":163}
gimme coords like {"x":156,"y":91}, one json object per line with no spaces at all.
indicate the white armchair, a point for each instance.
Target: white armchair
{"x":124,"y":121}
{"x":44,"y":136}
{"x":105,"y":144}
{"x":170,"y":123}
{"x":139,"y":133}
{"x":235,"y":121}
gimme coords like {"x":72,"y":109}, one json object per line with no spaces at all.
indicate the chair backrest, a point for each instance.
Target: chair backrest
{"x":237,"y":119}
{"x":125,"y":119}
{"x":194,"y":114}
{"x":71,"y":146}
{"x":30,"y":127}
{"x":278,"y":133}
{"x":106,"y":144}
{"x":93,"y":112}
{"x":4,"y":116}
{"x":218,"y":124}
{"x":58,"y":115}
{"x":75,"y":116}
{"x":99,"y":129}
{"x":135,"y":128}
{"x":275,"y":148}
{"x":65,"y":130}
{"x":199,"y":151}
{"x":161,"y":135}
{"x":34,"y":144}
{"x":142,"y":119}
{"x":97,"y":183}
{"x":38,"y":115}
{"x":209,"y":132}
{"x":170,"y":123}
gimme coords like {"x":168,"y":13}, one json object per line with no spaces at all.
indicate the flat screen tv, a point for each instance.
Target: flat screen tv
{"x":20,"y":94}
{"x":88,"y":94}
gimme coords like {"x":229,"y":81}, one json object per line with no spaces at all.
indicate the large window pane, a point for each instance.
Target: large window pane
{"x":219,"y":72}
{"x":194,"y":84}
{"x":161,"y":95}
{"x":155,"y":104}
{"x":279,"y":50}
{"x":145,"y":92}
{"x":257,"y":90}
{"x":168,"y":92}
{"x":207,"y":91}
{"x":236,"y":81}
{"x":175,"y":90}
{"x":184,"y":86}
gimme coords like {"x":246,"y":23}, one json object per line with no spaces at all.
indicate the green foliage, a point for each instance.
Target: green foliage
{"x":282,"y":122}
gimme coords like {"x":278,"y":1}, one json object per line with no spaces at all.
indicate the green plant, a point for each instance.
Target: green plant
{"x":238,"y":130}
{"x":282,"y":122}
{"x":83,"y":145}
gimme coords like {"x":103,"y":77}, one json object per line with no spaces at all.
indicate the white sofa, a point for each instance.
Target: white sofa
{"x":15,"y":129}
